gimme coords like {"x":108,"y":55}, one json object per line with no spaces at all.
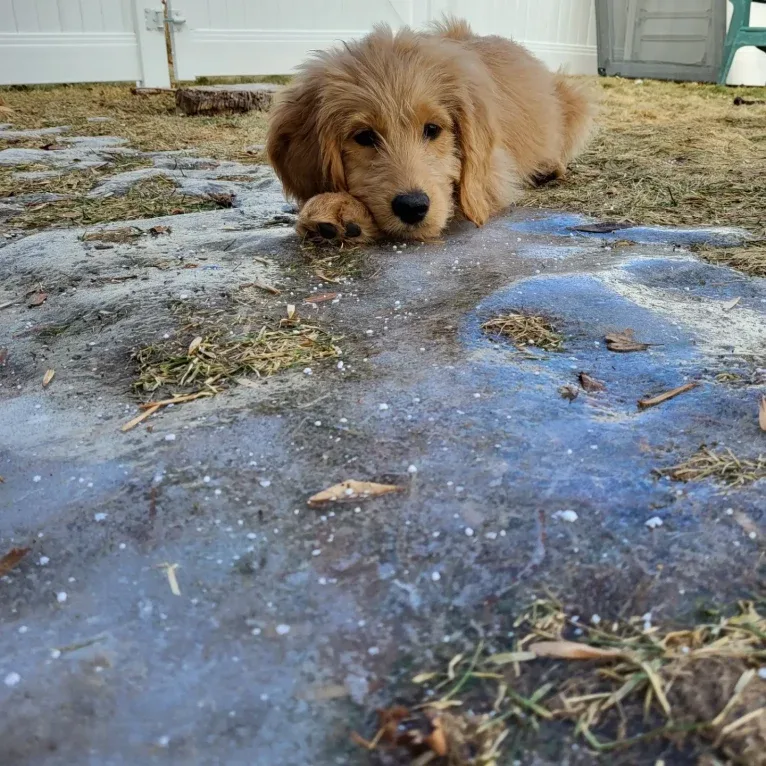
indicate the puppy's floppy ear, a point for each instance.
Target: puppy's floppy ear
{"x":476,"y":132}
{"x":304,"y":153}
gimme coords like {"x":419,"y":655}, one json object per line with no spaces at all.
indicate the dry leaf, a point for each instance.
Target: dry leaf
{"x":421,"y":678}
{"x":155,"y":231}
{"x":507,"y":658}
{"x":12,"y":558}
{"x":291,"y":311}
{"x":48,"y":377}
{"x":746,"y":523}
{"x":624,"y":342}
{"x":729,"y":305}
{"x":571,"y":650}
{"x":194,"y":345}
{"x":762,"y":413}
{"x":321,"y":298}
{"x":37,"y":300}
{"x":660,"y":398}
{"x":590,"y":384}
{"x":322,"y":693}
{"x":3,"y":355}
{"x":352,"y":490}
{"x":569,"y":392}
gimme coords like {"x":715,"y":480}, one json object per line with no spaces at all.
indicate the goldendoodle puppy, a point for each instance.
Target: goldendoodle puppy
{"x":394,"y":134}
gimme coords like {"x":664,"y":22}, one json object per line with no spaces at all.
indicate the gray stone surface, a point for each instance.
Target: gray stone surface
{"x":279,"y":600}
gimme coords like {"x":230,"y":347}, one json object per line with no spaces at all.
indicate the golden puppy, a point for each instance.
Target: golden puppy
{"x":391,"y":135}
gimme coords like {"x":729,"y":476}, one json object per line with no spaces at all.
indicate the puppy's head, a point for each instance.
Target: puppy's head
{"x":399,"y":121}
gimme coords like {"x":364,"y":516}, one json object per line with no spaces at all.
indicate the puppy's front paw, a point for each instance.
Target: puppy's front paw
{"x":336,"y":218}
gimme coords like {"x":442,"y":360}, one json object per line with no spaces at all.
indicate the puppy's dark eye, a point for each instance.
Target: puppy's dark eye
{"x":366,"y":138}
{"x":431,"y":131}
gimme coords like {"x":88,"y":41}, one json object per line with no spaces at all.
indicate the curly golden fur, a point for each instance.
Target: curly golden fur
{"x":394,"y":134}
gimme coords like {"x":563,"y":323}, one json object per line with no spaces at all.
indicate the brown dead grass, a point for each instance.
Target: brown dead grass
{"x":149,"y":122}
{"x":622,"y":683}
{"x":524,"y":331}
{"x":722,"y":466}
{"x":670,"y":154}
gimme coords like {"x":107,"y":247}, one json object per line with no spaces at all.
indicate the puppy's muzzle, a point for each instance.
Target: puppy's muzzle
{"x":412,"y":207}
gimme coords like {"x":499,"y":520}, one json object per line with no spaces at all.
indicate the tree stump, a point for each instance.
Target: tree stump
{"x":218,"y":99}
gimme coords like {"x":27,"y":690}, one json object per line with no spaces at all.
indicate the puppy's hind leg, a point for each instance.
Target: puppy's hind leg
{"x":578,"y":108}
{"x":336,"y":217}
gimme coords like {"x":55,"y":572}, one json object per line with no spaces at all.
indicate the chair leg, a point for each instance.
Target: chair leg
{"x":729,"y":51}
{"x":740,"y":17}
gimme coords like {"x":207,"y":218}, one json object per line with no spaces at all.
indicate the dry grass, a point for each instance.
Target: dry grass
{"x":670,"y":154}
{"x":146,"y":199}
{"x":525,"y":331}
{"x":723,"y":466}
{"x":73,"y":182}
{"x":666,"y":153}
{"x":211,"y":361}
{"x":750,"y":260}
{"x":149,"y":122}
{"x":626,"y":680}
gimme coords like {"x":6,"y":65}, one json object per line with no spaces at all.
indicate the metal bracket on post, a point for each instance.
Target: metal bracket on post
{"x":156,"y":19}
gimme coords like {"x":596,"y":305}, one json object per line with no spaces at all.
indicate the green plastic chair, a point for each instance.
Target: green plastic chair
{"x":740,"y":35}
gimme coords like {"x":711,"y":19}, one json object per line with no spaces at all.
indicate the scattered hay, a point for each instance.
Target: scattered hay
{"x":723,"y":466}
{"x":212,"y":361}
{"x":622,"y":684}
{"x":73,"y":182}
{"x":650,"y":162}
{"x":334,"y":264}
{"x":148,"y":121}
{"x":750,"y":259}
{"x":149,"y":198}
{"x":525,"y":330}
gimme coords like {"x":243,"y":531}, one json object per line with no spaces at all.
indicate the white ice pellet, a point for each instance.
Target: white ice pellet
{"x":35,"y":479}
{"x":468,"y":532}
{"x":12,"y":679}
{"x":595,"y":619}
{"x":382,"y":406}
{"x":44,"y":561}
{"x":99,"y":516}
{"x":654,"y":522}
{"x":412,"y":469}
{"x":435,"y":576}
{"x":570,"y":516}
{"x":283,"y":630}
{"x":61,"y":597}
{"x":265,"y":483}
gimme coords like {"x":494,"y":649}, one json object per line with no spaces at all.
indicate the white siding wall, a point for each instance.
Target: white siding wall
{"x":561,"y":32}
{"x":51,"y":41}
{"x":46,"y":41}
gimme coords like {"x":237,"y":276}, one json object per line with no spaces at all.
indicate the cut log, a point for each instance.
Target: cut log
{"x":217,"y":99}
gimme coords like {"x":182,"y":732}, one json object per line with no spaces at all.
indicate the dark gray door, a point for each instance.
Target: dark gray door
{"x":662,"y":39}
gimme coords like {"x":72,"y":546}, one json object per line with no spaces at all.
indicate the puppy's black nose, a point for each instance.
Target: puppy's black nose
{"x":411,"y":208}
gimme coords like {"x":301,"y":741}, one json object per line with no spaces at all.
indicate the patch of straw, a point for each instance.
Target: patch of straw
{"x":211,"y":362}
{"x":525,"y":330}
{"x":649,"y":683}
{"x":722,"y":466}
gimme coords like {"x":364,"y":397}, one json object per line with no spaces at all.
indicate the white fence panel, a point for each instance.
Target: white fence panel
{"x":241,"y":37}
{"x":560,"y":32}
{"x":247,"y":37}
{"x":57,"y":41}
